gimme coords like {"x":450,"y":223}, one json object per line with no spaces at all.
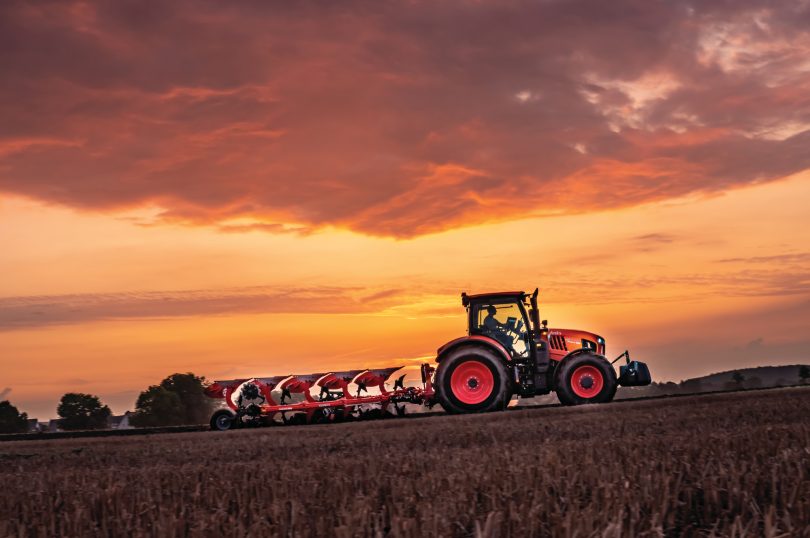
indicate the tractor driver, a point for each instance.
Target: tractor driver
{"x":497,"y":329}
{"x":490,"y":322}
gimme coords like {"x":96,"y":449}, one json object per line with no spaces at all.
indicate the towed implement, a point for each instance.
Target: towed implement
{"x":251,"y":401}
{"x":507,"y":351}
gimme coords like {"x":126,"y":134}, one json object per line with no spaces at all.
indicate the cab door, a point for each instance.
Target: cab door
{"x":506,"y":323}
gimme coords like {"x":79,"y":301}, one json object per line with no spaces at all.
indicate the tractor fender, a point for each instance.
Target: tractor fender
{"x":474,"y":340}
{"x":583,"y":351}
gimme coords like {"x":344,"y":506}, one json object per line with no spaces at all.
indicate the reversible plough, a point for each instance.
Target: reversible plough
{"x":251,"y":401}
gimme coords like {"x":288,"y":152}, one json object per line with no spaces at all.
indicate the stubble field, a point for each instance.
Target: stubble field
{"x":722,"y":465}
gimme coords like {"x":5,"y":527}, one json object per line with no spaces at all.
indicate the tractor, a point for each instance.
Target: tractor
{"x":507,"y":351}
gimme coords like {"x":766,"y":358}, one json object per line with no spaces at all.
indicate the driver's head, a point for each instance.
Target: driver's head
{"x":491,"y":310}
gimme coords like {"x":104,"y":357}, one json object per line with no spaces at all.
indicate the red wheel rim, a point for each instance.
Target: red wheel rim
{"x":587,"y":381}
{"x":472,"y":382}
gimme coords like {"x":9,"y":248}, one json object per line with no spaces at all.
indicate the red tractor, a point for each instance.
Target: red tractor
{"x":507,"y":351}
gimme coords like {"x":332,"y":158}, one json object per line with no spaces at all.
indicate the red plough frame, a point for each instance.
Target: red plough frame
{"x":252,"y":403}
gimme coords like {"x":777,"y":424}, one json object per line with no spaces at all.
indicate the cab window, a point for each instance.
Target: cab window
{"x":505,"y":323}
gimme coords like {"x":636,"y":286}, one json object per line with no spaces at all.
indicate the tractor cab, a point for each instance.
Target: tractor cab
{"x":512,"y":320}
{"x":504,"y":317}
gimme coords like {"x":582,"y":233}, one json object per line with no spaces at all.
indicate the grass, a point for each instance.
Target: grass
{"x":718,"y":465}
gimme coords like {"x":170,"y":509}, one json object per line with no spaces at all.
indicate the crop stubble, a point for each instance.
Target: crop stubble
{"x":726,"y":465}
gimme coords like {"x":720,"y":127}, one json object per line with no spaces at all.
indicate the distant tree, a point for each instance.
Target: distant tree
{"x":804,"y":373}
{"x":178,"y":399}
{"x":692,"y":386}
{"x":190,"y":388}
{"x":670,"y":387}
{"x":82,"y":412}
{"x":738,"y":378}
{"x":157,"y":406}
{"x":11,"y":420}
{"x":753,"y":382}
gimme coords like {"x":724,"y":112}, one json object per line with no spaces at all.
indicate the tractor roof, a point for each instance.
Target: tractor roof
{"x":466,"y":299}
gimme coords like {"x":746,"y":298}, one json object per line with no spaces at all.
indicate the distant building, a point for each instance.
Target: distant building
{"x":54,"y":425}
{"x":34,"y":426}
{"x":115,"y":422}
{"x":121,"y":422}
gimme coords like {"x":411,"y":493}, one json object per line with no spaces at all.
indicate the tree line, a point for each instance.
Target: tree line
{"x":177,"y":400}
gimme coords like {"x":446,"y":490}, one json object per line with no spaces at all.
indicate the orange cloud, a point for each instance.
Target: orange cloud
{"x":397,"y":120}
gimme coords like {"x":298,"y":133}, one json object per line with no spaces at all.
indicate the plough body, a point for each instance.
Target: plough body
{"x":251,"y":401}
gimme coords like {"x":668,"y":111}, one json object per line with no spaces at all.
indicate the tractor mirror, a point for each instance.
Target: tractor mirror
{"x":544,"y":323}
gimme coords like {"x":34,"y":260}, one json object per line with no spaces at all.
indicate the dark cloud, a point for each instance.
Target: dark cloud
{"x":755,"y":343}
{"x":397,"y":118}
{"x":39,"y":311}
{"x":655,"y":238}
{"x":565,"y":286}
{"x":575,"y":287}
{"x":788,"y":258}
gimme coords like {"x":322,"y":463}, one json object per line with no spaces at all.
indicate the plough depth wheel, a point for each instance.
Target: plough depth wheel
{"x":222,"y":420}
{"x":472,"y":380}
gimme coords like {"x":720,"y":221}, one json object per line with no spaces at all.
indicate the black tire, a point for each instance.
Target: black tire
{"x":565,"y":380}
{"x":501,"y":390}
{"x":222,"y":420}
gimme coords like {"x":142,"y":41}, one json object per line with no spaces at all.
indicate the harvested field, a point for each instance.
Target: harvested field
{"x":725,"y":465}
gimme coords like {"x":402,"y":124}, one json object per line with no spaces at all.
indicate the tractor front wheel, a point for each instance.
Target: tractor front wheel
{"x":472,"y":380}
{"x":585,"y":378}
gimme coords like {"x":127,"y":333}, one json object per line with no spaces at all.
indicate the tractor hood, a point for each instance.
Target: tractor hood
{"x":567,"y":340}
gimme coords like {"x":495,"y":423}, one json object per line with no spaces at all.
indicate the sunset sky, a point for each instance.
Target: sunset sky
{"x":262,"y":188}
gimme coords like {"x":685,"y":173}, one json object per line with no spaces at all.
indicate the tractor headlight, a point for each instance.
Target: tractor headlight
{"x":588,"y":344}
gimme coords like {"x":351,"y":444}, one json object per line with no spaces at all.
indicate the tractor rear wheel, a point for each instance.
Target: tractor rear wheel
{"x":585,"y":378}
{"x":472,"y":380}
{"x":222,"y":420}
